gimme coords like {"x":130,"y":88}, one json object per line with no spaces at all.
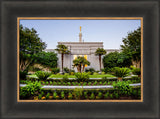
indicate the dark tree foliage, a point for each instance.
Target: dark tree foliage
{"x":115,"y":59}
{"x":30,"y":43}
{"x":132,"y":44}
{"x":48,"y":59}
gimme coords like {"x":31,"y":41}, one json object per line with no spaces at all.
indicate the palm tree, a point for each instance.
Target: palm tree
{"x":99,"y":52}
{"x":62,"y":49}
{"x":80,"y":63}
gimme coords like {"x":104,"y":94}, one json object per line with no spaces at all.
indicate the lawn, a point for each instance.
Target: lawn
{"x":72,"y":76}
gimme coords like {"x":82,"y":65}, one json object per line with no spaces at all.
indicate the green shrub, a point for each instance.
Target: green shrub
{"x":121,"y":72}
{"x":62,"y":95}
{"x":54,"y":83}
{"x":47,"y":82}
{"x":23,"y":75}
{"x":105,"y":83}
{"x":92,"y":96}
{"x":77,"y":92}
{"x":55,"y":70}
{"x":58,"y":74}
{"x":85,"y":94}
{"x":89,"y":83}
{"x":42,"y":75}
{"x":66,"y":70}
{"x":30,"y":89}
{"x":91,"y":70}
{"x":40,"y":96}
{"x":136,"y":71}
{"x":89,"y":73}
{"x":70,"y":96}
{"x":123,"y":88}
{"x":68,"y":83}
{"x":106,"y":95}
{"x":99,"y":96}
{"x":65,"y":78}
{"x":100,"y":83}
{"x":55,"y":96}
{"x":103,"y":73}
{"x":82,"y":77}
{"x":116,"y":95}
{"x":104,"y":78}
{"x":47,"y":96}
{"x":51,"y":82}
{"x":95,"y":73}
{"x":111,"y":95}
{"x":95,"y":82}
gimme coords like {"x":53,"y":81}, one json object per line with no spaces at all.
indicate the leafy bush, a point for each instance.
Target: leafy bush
{"x":103,"y":73}
{"x":104,"y":78}
{"x":77,"y":92}
{"x":55,"y":70}
{"x":65,"y":78}
{"x":66,"y":70}
{"x":58,"y":74}
{"x":95,"y":73}
{"x":70,"y":96}
{"x":82,"y":77}
{"x":92,"y":96}
{"x":123,"y":88}
{"x":111,"y":95}
{"x":106,"y":95}
{"x":39,"y":96}
{"x":85,"y":94}
{"x":136,"y":71}
{"x":99,"y":96}
{"x":89,"y":73}
{"x":23,"y":74}
{"x":30,"y":89}
{"x":42,"y":75}
{"x":62,"y":95}
{"x":66,"y":74}
{"x":47,"y":96}
{"x":121,"y":72}
{"x":55,"y":95}
{"x":91,"y":70}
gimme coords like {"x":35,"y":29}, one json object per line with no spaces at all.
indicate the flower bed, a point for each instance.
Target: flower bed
{"x":85,"y":94}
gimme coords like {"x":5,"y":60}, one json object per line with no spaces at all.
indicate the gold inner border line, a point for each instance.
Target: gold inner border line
{"x":79,"y":18}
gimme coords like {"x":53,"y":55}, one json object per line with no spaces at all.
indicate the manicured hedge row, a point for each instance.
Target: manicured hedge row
{"x":84,"y":94}
{"x":133,"y":79}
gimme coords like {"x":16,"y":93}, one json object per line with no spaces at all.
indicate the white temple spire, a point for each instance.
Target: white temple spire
{"x":80,"y":35}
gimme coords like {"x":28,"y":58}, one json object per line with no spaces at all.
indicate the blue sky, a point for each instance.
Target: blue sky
{"x":110,"y":32}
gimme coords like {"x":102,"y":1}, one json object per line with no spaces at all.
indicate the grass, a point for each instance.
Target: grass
{"x":72,"y":76}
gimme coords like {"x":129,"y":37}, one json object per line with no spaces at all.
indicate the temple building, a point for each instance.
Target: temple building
{"x":81,"y":48}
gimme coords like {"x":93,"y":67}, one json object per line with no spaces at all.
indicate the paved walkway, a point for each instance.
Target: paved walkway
{"x":85,"y":87}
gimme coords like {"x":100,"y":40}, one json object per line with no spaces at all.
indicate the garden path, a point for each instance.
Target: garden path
{"x":84,"y":87}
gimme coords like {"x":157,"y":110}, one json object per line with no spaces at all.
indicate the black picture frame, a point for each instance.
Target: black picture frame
{"x":11,"y":9}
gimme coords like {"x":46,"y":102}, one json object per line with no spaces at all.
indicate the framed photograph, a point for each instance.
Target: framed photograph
{"x":83,"y":59}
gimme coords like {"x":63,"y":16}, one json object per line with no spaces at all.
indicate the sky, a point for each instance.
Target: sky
{"x":110,"y":32}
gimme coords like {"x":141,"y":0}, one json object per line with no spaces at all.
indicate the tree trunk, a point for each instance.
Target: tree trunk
{"x":83,"y":68}
{"x":80,"y":67}
{"x":100,"y":63}
{"x":62,"y":61}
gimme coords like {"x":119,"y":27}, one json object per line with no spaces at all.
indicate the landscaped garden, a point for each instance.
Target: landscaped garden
{"x":41,"y":79}
{"x":115,"y":88}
